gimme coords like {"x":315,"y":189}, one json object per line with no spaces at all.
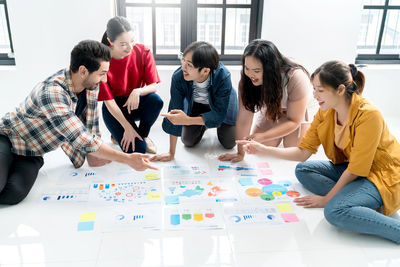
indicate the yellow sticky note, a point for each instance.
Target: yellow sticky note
{"x":151,"y":176}
{"x":153,"y":196}
{"x":283,"y":207}
{"x":88,"y":216}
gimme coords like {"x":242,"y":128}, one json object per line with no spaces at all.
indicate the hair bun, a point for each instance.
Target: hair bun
{"x":353,"y":70}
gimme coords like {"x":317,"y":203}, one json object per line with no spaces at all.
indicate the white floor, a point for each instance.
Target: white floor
{"x":34,"y":233}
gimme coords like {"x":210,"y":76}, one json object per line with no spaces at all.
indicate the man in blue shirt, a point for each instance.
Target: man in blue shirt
{"x":202,"y":97}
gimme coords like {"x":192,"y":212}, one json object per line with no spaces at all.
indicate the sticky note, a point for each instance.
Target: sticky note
{"x":266,"y":171}
{"x":284,"y":207}
{"x":289,"y":217}
{"x":88,"y":216}
{"x":169,"y":200}
{"x":151,"y":176}
{"x":245,"y":181}
{"x":86,"y":226}
{"x":263,"y":165}
{"x":153,"y":196}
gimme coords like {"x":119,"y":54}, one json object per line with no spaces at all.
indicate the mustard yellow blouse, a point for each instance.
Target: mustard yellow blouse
{"x":369,"y":147}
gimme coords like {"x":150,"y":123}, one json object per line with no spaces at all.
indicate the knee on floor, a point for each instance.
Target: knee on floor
{"x":188,"y":142}
{"x":301,"y":170}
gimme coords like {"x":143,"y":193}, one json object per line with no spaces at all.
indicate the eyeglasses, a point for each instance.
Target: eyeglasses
{"x":189,"y":65}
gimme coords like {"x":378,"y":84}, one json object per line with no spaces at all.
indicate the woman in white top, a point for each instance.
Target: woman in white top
{"x":276,"y":89}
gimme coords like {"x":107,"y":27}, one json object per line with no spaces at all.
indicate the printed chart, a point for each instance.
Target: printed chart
{"x":139,"y":192}
{"x":178,"y":191}
{"x":192,"y":218}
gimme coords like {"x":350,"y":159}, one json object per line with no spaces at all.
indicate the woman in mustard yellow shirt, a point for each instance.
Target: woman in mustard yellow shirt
{"x":363,"y":173}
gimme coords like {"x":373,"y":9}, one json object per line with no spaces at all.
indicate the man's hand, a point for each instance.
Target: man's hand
{"x":95,"y":161}
{"x":140,"y":162}
{"x":177,"y":117}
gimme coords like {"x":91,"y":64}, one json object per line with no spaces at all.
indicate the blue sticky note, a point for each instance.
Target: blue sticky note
{"x":245,"y":181}
{"x":175,"y":219}
{"x":169,"y":200}
{"x":86,"y":226}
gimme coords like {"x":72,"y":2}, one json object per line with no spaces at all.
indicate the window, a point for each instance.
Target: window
{"x":379,"y":38}
{"x":6,"y":47}
{"x":168,"y":27}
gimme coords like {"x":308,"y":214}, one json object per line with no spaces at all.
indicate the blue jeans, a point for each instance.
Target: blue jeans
{"x":149,"y":108}
{"x":353,"y":207}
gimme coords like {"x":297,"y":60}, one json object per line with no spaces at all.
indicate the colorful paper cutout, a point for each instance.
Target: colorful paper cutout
{"x":284,"y":207}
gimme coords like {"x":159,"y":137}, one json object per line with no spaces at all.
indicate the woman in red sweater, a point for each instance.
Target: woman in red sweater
{"x":129,"y":94}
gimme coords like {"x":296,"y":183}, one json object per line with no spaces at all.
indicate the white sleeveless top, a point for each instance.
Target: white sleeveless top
{"x":296,"y":85}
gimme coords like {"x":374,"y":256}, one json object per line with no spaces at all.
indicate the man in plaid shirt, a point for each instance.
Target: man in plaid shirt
{"x":60,"y":111}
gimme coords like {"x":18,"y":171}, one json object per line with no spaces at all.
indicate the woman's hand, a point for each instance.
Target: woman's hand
{"x":129,"y":138}
{"x":133,"y":100}
{"x":235,"y":157}
{"x":162,"y":157}
{"x":313,"y":201}
{"x":256,"y":137}
{"x":251,"y":146}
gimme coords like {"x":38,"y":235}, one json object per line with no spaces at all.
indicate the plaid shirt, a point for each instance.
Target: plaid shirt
{"x":47,"y":119}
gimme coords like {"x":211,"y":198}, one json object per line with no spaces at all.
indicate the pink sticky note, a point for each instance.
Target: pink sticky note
{"x":266,"y":172}
{"x":263,"y":165}
{"x":289,"y":217}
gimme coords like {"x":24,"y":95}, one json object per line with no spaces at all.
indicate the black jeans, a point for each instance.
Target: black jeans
{"x":17,"y":173}
{"x":192,"y":134}
{"x":149,"y":108}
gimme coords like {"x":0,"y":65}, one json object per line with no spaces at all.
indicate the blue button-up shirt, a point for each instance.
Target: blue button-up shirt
{"x":221,"y":95}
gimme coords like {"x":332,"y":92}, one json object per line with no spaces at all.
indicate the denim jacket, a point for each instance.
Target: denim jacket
{"x":222,"y":99}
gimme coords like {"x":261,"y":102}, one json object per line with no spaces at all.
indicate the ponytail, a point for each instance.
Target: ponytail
{"x":104,"y":40}
{"x":358,"y":79}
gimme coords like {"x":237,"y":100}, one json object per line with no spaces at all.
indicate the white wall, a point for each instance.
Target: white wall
{"x":44,"y":33}
{"x":311,"y":31}
{"x":314,"y":31}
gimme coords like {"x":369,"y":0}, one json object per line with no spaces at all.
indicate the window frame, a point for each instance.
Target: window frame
{"x":378,"y":58}
{"x":5,"y":58}
{"x":189,"y":25}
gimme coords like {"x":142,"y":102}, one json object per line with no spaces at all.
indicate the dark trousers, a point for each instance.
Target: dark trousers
{"x":17,"y":173}
{"x":149,"y":108}
{"x":192,"y":134}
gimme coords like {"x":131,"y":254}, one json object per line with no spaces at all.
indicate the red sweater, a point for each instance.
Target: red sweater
{"x":131,"y":72}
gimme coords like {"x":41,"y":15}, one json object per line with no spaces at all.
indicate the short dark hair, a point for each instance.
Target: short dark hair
{"x":204,"y":55}
{"x":115,"y":26}
{"x":90,"y":54}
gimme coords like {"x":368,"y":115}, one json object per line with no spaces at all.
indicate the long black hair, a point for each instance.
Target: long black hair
{"x":115,"y":27}
{"x":275,"y":68}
